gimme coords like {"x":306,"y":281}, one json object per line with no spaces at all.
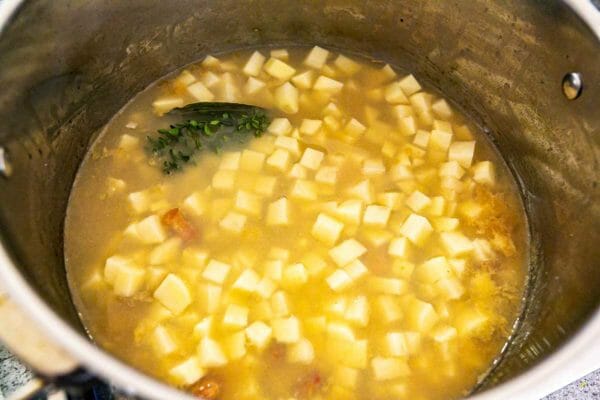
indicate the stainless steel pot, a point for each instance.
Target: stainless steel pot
{"x":66,"y":66}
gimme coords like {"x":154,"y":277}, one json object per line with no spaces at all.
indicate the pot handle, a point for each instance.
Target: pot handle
{"x":54,"y":368}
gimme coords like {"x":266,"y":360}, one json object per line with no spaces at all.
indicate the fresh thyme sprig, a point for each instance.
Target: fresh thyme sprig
{"x":208,"y":126}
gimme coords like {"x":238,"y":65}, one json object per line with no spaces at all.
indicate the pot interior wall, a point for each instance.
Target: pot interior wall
{"x":68,"y":66}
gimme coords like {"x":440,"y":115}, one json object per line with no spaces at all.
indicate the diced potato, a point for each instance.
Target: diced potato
{"x":444,"y":333}
{"x":162,"y":341}
{"x":451,"y":169}
{"x":328,"y":85}
{"x":187,"y":372}
{"x":265,"y":288}
{"x":440,"y":141}
{"x":316,"y":58}
{"x":349,"y":353}
{"x":418,"y":201}
{"x":408,"y":126}
{"x":373,"y":167}
{"x":128,"y":142}
{"x":456,"y":244}
{"x":354,"y":128}
{"x":421,"y":316}
{"x":346,"y":252}
{"x":196,"y":203}
{"x":357,"y":311}
{"x":314,"y":263}
{"x":388,"y":309}
{"x":484,"y":173}
{"x":363,"y":191}
{"x":301,"y":352}
{"x":278,"y":212}
{"x":310,"y":126}
{"x":399,"y":172}
{"x":445,"y":224}
{"x":265,"y":185}
{"x":166,"y":104}
{"x":252,"y":161}
{"x":339,"y":280}
{"x":259,"y":334}
{"x":254,"y":64}
{"x":216,"y":271}
{"x":200,"y":92}
{"x":449,"y":289}
{"x":350,"y":211}
{"x":304,"y":80}
{"x":209,"y":79}
{"x":294,"y":276}
{"x":395,"y":344}
{"x":280,"y":127}
{"x":409,"y":85}
{"x":356,"y":270}
{"x":462,"y":152}
{"x":280,"y":54}
{"x":433,"y":270}
{"x":235,"y":316}
{"x":247,"y":281}
{"x":204,"y":328}
{"x":442,"y":109}
{"x":417,"y":229}
{"x":398,"y":247}
{"x":385,"y":369}
{"x":337,"y":307}
{"x":224,"y":180}
{"x":235,"y":345}
{"x":288,"y":143}
{"x":394,"y":94}
{"x":340,"y":331}
{"x":327,"y":175}
{"x":139,"y":201}
{"x":165,"y":251}
{"x":128,"y":280}
{"x":254,"y":86}
{"x":443,"y":126}
{"x":112,"y":266}
{"x":298,"y":172}
{"x":174,"y":294}
{"x":392,"y":286}
{"x":233,"y":222}
{"x":311,"y":158}
{"x":286,"y":98}
{"x":280,"y":304}
{"x":303,"y":190}
{"x":327,"y":229}
{"x":248,"y":203}
{"x":210,"y":297}
{"x":421,"y":138}
{"x":273,"y":269}
{"x":376,"y":215}
{"x":279,"y":160}
{"x":210,"y":354}
{"x":471,"y":321}
{"x":286,"y":330}
{"x":346,"y":65}
{"x":278,"y":69}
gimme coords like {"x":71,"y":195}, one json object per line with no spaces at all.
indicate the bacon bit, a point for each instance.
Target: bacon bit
{"x":310,"y":385}
{"x":175,"y":220}
{"x":206,"y":388}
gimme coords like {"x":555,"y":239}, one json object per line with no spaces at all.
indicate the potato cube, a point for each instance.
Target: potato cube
{"x":223,"y":180}
{"x":409,"y":85}
{"x":273,"y":269}
{"x":278,"y":212}
{"x":456,"y":244}
{"x":128,"y":280}
{"x":303,"y":190}
{"x":421,"y":138}
{"x":200,"y":92}
{"x":327,"y":175}
{"x":445,"y":224}
{"x":254,"y":64}
{"x":235,"y":316}
{"x":421,"y":316}
{"x":328,"y":85}
{"x":187,"y":372}
{"x":393,"y":94}
{"x":462,"y":152}
{"x":327,"y":229}
{"x":280,"y":304}
{"x":204,"y":328}
{"x":294,"y":276}
{"x":301,"y":352}
{"x":400,"y":172}
{"x":451,"y":169}
{"x":354,"y":128}
{"x":398,"y":247}
{"x":163,"y":342}
{"x":304,"y":80}
{"x":346,"y":65}
{"x":279,"y":160}
{"x":388,"y":309}
{"x":395,"y":344}
{"x":373,"y":167}
{"x":139,"y":201}
{"x":196,"y":203}
{"x":356,"y":270}
{"x":418,"y":201}
{"x":392,"y":286}
{"x":210,"y":297}
{"x":449,"y":289}
{"x":346,"y":252}
{"x":484,"y":173}
{"x":265,"y":288}
{"x":316,"y":58}
{"x":112,"y":266}
{"x":298,"y":172}
{"x":254,"y":86}
{"x":280,"y":127}
{"x":357,"y":311}
{"x":286,"y":330}
{"x":440,"y":140}
{"x":174,"y":294}
{"x":248,"y":203}
{"x":310,"y":126}
{"x":280,"y":54}
{"x":339,"y":280}
{"x":444,"y":333}
{"x":332,"y":123}
{"x":288,"y":143}
{"x":209,"y":79}
{"x":471,"y":322}
{"x":259,"y":334}
{"x":416,"y":228}
{"x":165,"y":252}
{"x":385,"y":369}
{"x":433,"y":270}
{"x":337,"y":307}
{"x":252,"y":161}
{"x":311,"y":158}
{"x":278,"y":253}
{"x":350,"y":211}
{"x":233,"y":222}
{"x":166,"y":104}
{"x":278,"y":69}
{"x":314,"y":263}
{"x":286,"y":98}
{"x":247,"y":281}
{"x":235,"y":345}
{"x":442,"y":109}
{"x":216,"y":271}
{"x":265,"y":185}
{"x":349,"y":353}
{"x":376,"y":215}
{"x":407,"y":126}
{"x":389,"y":149}
{"x":363,"y":191}
{"x":210,"y":354}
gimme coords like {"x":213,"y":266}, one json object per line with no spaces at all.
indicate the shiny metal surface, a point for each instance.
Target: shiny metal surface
{"x":68,"y":66}
{"x":5,"y":167}
{"x":572,"y":85}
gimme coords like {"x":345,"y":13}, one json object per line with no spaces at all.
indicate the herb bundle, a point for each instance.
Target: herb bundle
{"x":206,"y":126}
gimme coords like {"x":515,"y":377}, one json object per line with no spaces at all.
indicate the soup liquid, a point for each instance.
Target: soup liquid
{"x":359,"y":249}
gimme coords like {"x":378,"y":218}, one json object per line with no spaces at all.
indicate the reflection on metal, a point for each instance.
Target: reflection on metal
{"x":5,"y":168}
{"x":572,"y":85}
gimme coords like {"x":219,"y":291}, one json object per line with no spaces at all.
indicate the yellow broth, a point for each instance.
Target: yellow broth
{"x":370,"y":245}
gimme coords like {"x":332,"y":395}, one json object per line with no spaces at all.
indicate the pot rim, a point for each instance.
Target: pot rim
{"x":131,"y":381}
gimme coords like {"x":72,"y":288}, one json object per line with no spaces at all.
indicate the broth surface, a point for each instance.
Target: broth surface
{"x":370,"y":245}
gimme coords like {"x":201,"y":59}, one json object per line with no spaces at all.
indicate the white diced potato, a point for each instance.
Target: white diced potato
{"x":356,"y":270}
{"x":311,"y":158}
{"x":280,"y":126}
{"x":433,"y":270}
{"x":339,"y":280}
{"x":400,"y":172}
{"x":398,"y":247}
{"x":128,"y":142}
{"x":286,"y":98}
{"x":278,"y":69}
{"x":209,"y":79}
{"x":421,"y":316}
{"x":128,"y":280}
{"x":373,"y":167}
{"x":196,"y":203}
{"x":314,"y":263}
{"x":233,"y":222}
{"x":421,"y":103}
{"x":223,"y":180}
{"x":185,"y":78}
{"x":150,"y":230}
{"x":265,"y":185}
{"x":470,"y":322}
{"x":327,"y":175}
{"x":418,"y":201}
{"x":234,"y":345}
{"x":278,"y":212}
{"x":280,"y":54}
{"x":252,"y":161}
{"x":354,"y":128}
{"x":395,"y":344}
{"x":484,"y":173}
{"x":254,"y":64}
{"x":248,"y":203}
{"x":139,"y":201}
{"x":301,"y":352}
{"x":350,"y":211}
{"x":200,"y":92}
{"x":265,"y":288}
{"x":163,"y":342}
{"x":444,"y":333}
{"x":363,"y":191}
{"x":470,"y":209}
{"x":449,"y":289}
{"x":235,"y":317}
{"x":376,"y":237}
{"x":286,"y":330}
{"x":204,"y":328}
{"x":187,"y":372}
{"x":279,"y":160}
{"x":165,"y":251}
{"x":442,"y":109}
{"x":210,"y":297}
{"x":337,"y":307}
{"x":409,"y":85}
{"x":445,"y":224}
{"x":389,"y":149}
{"x":385,"y":369}
{"x":388,"y":309}
{"x":439,"y":140}
{"x":416,"y":228}
{"x":115,"y":185}
{"x":376,"y":215}
{"x":247,"y":281}
{"x":316,"y":58}
{"x":216,"y":271}
{"x":408,"y":126}
{"x":327,"y":229}
{"x":332,"y":123}
{"x":298,"y":172}
{"x":112,"y":266}
{"x":259,"y":334}
{"x":346,"y":252}
{"x":462,"y":152}
{"x":340,"y":331}
{"x":392,"y":286}
{"x":310,"y":126}
{"x":482,"y":250}
{"x":394,"y":94}
{"x":303,"y":190}
{"x":328,"y":85}
{"x":280,"y":304}
{"x":254,"y":86}
{"x":421,"y":138}
{"x":290,"y":144}
{"x":166,"y":104}
{"x":304,"y":80}
{"x":174,"y":294}
{"x":211,"y":354}
{"x":357,"y":311}
{"x":346,"y":65}
{"x":273,"y":269}
{"x":456,"y":244}
{"x":392,"y":200}
{"x":451,"y":169}
{"x":443,"y":126}
{"x":211,"y":62}
{"x":294,"y":276}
